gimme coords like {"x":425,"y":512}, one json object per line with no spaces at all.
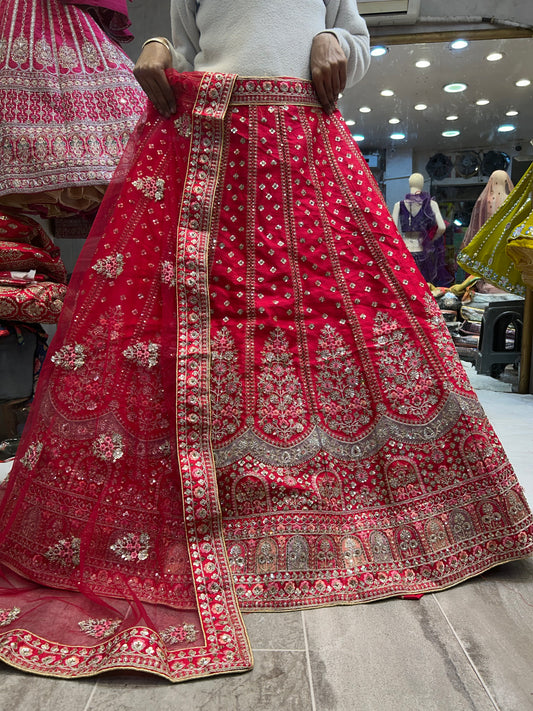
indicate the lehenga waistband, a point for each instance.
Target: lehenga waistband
{"x":273,"y":90}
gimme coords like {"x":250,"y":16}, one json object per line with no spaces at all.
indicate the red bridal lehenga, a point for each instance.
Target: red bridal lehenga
{"x":252,"y":403}
{"x":68,"y":104}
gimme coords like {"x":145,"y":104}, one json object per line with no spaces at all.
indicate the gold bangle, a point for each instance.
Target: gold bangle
{"x":159,"y":40}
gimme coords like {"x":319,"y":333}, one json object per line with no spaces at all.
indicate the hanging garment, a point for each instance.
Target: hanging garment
{"x":251,"y":403}
{"x":68,"y":103}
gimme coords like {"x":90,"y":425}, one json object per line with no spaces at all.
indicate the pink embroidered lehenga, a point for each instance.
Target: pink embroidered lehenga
{"x":68,"y":103}
{"x":252,"y":403}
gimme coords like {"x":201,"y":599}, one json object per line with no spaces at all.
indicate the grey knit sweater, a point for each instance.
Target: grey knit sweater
{"x":264,"y":37}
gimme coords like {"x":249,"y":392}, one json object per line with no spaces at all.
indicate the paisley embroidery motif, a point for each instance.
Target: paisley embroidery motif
{"x":406,"y":377}
{"x":343,"y":395}
{"x":281,"y":411}
{"x":226,"y":397}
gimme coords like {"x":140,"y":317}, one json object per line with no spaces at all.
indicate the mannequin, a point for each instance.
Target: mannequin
{"x":495,"y":193}
{"x":419,"y":221}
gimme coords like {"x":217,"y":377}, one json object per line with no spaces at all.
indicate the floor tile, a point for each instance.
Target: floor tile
{"x":279,"y":630}
{"x":27,"y":692}
{"x":278,"y":681}
{"x":395,"y":655}
{"x":492,"y":617}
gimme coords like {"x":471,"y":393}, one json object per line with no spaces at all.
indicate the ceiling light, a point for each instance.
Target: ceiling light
{"x":452,"y":118}
{"x":512,"y":112}
{"x":482,"y":102}
{"x":394,"y":120}
{"x":387,"y":92}
{"x":523,"y":82}
{"x":340,"y":96}
{"x":455,"y":87}
{"x":422,"y":63}
{"x":358,"y":137}
{"x":457,"y":222}
{"x":397,"y":136}
{"x":378,"y":51}
{"x":420,"y":107}
{"x":494,"y":57}
{"x":450,"y":134}
{"x":506,"y":128}
{"x":459,"y":44}
{"x":350,"y":122}
{"x":365,"y":109}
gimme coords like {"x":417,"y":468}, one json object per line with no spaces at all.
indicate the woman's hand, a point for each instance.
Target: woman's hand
{"x":328,"y":69}
{"x":150,"y":73}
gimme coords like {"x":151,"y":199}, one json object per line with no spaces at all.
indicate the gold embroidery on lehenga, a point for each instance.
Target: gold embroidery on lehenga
{"x":226,"y":396}
{"x":32,"y":455}
{"x":111,"y":266}
{"x":183,"y":125}
{"x":9,"y":616}
{"x":281,"y":409}
{"x":144,"y":354}
{"x":151,"y":187}
{"x":180,"y":634}
{"x":343,"y":396}
{"x":70,"y":357}
{"x":100,"y":629}
{"x":66,"y":552}
{"x":132,"y":546}
{"x":108,"y":447}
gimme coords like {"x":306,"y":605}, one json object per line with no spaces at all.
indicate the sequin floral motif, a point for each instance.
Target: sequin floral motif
{"x":9,"y":616}
{"x":168,"y":274}
{"x":344,"y":398}
{"x":111,"y":266}
{"x":144,"y":354}
{"x":280,"y":408}
{"x":108,"y":447}
{"x":226,"y":398}
{"x":100,"y":629}
{"x":70,"y":357}
{"x":31,"y":455}
{"x":66,"y":552}
{"x":183,"y":125}
{"x":151,"y":187}
{"x":132,"y":546}
{"x":405,"y":375}
{"x":179,"y":634}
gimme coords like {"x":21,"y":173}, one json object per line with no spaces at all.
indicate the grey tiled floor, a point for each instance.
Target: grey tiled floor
{"x":469,"y":648}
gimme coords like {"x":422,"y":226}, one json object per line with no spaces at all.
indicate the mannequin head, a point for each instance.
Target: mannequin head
{"x":499,"y":179}
{"x":416,"y":183}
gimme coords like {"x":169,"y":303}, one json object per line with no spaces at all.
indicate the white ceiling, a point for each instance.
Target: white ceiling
{"x":478,"y":124}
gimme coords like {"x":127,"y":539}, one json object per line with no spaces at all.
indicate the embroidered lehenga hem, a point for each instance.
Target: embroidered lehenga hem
{"x":68,"y":103}
{"x":251,"y":402}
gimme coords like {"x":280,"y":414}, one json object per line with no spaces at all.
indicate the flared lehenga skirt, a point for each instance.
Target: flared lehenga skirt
{"x":252,"y":402}
{"x":68,"y":104}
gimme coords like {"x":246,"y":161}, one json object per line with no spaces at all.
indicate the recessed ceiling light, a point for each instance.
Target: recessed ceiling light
{"x":423,"y":63}
{"x":455,"y":87}
{"x":450,"y":134}
{"x":459,"y":44}
{"x":394,"y":120}
{"x":482,"y":102}
{"x":420,"y":107}
{"x":397,"y":136}
{"x":494,"y":57}
{"x":387,"y":92}
{"x":512,"y":112}
{"x":457,"y":222}
{"x":365,"y":109}
{"x":506,"y":128}
{"x":453,"y":117}
{"x":379,"y":51}
{"x":350,"y":122}
{"x":358,"y":137}
{"x":523,"y":82}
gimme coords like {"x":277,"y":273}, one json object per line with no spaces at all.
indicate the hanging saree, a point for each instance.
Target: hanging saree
{"x":252,"y":403}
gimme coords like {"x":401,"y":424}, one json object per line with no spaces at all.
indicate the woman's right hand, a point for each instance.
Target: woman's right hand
{"x":150,"y":73}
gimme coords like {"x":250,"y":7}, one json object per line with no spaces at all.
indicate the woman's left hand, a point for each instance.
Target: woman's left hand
{"x":328,"y":69}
